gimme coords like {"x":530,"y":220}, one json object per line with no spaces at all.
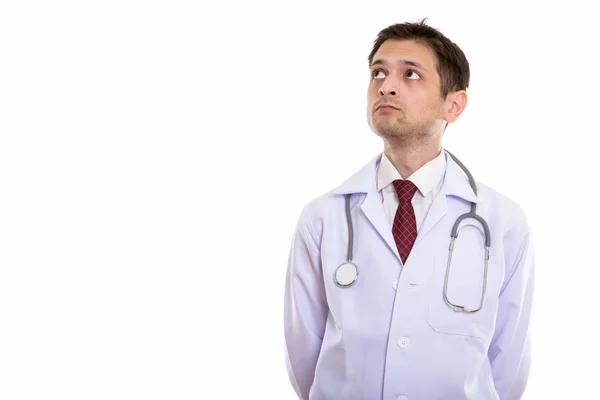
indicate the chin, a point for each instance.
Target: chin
{"x":384,"y":129}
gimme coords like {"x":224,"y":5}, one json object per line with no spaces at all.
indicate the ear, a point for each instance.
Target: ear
{"x":455,"y":104}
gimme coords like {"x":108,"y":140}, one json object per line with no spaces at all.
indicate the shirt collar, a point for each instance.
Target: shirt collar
{"x":425,"y":178}
{"x":365,"y":180}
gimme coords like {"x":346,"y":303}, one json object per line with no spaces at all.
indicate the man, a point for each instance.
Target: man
{"x":402,"y":324}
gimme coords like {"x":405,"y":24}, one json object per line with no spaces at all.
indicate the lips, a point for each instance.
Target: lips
{"x":386,"y":107}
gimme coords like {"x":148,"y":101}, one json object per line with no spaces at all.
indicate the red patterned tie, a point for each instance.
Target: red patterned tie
{"x":404,"y":228}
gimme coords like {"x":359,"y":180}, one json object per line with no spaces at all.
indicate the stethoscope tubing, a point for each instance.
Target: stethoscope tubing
{"x":343,"y":269}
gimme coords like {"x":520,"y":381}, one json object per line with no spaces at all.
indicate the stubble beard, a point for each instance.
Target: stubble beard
{"x":399,"y":134}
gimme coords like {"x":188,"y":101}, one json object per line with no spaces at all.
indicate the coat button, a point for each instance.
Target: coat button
{"x":403,"y":342}
{"x":395,"y":284}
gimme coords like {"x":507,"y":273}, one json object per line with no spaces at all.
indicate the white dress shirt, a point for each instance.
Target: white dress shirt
{"x":428,"y":179}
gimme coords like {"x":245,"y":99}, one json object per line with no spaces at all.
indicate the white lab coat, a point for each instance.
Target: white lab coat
{"x":391,"y":335}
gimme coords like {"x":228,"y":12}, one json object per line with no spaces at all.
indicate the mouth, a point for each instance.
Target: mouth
{"x":386,"y":108}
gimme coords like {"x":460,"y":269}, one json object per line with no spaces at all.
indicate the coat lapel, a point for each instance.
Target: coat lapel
{"x":373,"y":209}
{"x":456,"y":184}
{"x":364,"y":181}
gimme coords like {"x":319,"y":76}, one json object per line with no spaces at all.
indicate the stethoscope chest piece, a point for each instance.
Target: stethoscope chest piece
{"x":346,"y":274}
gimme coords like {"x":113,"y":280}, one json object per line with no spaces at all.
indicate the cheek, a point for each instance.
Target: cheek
{"x":370,"y":101}
{"x":423,"y":105}
{"x":370,"y":92}
{"x":373,"y":88}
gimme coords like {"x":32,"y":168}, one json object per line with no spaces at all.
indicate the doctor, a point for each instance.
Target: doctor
{"x":378,"y":303}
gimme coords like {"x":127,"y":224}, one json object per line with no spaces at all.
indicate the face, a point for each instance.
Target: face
{"x":404,"y":96}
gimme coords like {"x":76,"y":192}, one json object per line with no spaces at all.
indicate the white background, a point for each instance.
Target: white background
{"x":155,"y":156}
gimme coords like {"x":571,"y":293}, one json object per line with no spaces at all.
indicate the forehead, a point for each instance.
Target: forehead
{"x":393,"y":50}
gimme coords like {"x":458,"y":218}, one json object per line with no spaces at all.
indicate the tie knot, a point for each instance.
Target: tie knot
{"x":405,"y":189}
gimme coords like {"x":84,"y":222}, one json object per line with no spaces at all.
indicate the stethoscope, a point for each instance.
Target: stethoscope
{"x":347,"y":273}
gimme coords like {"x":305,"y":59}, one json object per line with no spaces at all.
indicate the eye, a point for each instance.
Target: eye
{"x":377,"y":73}
{"x":412,"y":75}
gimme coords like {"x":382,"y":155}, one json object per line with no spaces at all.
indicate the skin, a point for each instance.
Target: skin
{"x":403,"y":74}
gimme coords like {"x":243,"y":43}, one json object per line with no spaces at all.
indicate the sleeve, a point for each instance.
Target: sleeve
{"x":510,"y":349}
{"x":305,"y":308}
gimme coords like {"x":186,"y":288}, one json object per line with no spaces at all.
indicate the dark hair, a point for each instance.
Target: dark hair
{"x":451,"y":64}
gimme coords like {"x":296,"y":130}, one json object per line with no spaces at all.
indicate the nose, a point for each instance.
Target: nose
{"x":388,"y":88}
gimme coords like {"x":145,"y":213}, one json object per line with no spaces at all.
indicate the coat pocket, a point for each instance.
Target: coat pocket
{"x":465,"y":287}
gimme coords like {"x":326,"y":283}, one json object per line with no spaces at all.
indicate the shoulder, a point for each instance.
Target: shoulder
{"x":512,"y":213}
{"x":314,"y":213}
{"x":317,"y":210}
{"x":512,"y":234}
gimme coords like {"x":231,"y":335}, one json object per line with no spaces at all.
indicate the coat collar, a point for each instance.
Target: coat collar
{"x":364,"y":180}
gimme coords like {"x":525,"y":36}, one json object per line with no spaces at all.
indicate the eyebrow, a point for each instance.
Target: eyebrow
{"x":401,"y":62}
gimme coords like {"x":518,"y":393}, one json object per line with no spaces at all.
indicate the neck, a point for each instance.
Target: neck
{"x":409,"y":159}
